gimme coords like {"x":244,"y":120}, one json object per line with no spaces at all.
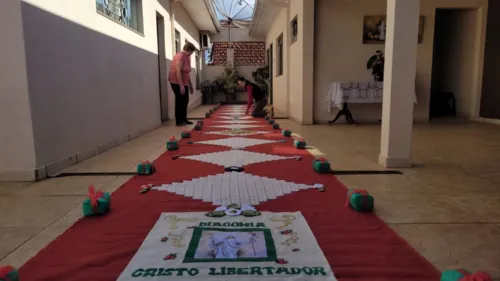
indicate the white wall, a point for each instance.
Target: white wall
{"x":340,"y":54}
{"x":17,"y":148}
{"x":293,"y":91}
{"x":93,"y":83}
{"x":301,"y":59}
{"x":83,"y":13}
{"x":281,"y":95}
{"x":296,"y":61}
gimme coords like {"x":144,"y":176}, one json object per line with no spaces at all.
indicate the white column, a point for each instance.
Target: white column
{"x":230,"y":57}
{"x":307,"y":61}
{"x":399,"y":82}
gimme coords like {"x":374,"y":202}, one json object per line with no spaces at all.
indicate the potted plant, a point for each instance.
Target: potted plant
{"x":376,"y":65}
{"x":228,"y":78}
{"x":206,"y":86}
{"x":261,"y":77}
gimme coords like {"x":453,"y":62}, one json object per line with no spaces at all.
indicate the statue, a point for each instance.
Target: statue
{"x":381,"y":30}
{"x":225,"y":247}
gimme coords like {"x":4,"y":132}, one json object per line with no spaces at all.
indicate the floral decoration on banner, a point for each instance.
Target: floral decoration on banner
{"x":286,"y":220}
{"x":170,"y":256}
{"x":234,"y":210}
{"x":174,"y":220}
{"x":293,"y":239}
{"x":281,"y":261}
{"x":176,"y":240}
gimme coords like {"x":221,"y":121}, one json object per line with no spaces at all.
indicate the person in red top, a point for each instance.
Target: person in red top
{"x":180,"y":80}
{"x":254,"y":93}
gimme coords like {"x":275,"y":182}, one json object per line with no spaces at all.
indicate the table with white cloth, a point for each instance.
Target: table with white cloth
{"x":340,"y":94}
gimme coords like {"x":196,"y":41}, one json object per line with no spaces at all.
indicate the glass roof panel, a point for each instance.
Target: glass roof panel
{"x":238,"y":11}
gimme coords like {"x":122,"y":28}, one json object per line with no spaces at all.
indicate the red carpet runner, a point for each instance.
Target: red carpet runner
{"x":357,"y":246}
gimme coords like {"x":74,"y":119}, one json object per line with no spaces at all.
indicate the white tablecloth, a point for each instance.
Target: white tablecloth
{"x":355,"y":92}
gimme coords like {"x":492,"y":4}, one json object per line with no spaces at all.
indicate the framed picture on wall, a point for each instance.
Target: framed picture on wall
{"x":374,"y":29}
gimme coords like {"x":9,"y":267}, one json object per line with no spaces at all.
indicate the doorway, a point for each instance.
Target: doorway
{"x":270,"y":64}
{"x":162,"y":67}
{"x":490,"y":99}
{"x":453,"y":82}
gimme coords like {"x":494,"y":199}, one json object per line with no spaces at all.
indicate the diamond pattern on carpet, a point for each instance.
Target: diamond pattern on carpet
{"x":231,"y":113}
{"x":237,"y":142}
{"x":236,"y":121}
{"x":236,"y":126}
{"x":233,"y":133}
{"x":233,"y":109}
{"x":233,"y":118}
{"x":234,"y":158}
{"x":231,"y":187}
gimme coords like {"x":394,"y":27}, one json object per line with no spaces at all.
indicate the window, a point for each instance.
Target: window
{"x":279,"y":54}
{"x":126,"y":12}
{"x":177,"y":41}
{"x":198,"y":72}
{"x":208,"y":56}
{"x":293,"y":30}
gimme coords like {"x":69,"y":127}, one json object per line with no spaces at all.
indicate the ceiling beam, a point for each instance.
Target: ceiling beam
{"x":257,"y":12}
{"x":278,"y":3}
{"x":213,"y":15}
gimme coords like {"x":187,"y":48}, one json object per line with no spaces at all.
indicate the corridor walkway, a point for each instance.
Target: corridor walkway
{"x":447,"y":207}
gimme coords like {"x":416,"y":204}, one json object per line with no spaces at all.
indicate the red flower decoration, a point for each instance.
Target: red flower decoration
{"x":172,"y":138}
{"x":286,"y":232}
{"x":281,"y":261}
{"x":321,"y":159}
{"x":171,"y":256}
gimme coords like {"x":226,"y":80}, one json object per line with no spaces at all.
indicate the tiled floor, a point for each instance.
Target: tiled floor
{"x":447,"y":207}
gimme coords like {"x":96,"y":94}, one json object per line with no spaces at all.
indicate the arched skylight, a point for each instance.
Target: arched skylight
{"x":237,"y":12}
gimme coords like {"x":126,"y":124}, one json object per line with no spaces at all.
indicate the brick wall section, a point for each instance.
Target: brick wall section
{"x":245,"y":53}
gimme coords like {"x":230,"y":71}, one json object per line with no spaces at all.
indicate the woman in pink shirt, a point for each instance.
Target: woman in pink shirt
{"x":180,"y":80}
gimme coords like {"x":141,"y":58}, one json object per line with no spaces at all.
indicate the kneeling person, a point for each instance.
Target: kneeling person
{"x":257,"y":94}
